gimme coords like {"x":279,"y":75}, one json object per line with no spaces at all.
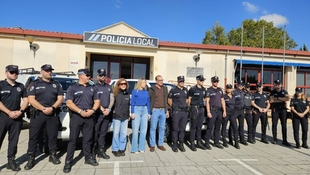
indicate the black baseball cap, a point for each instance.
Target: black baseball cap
{"x":229,"y":86}
{"x":215,"y":78}
{"x":247,"y":85}
{"x":200,"y":78}
{"x":101,"y":72}
{"x":47,"y":67}
{"x":258,"y":84}
{"x":84,"y":71}
{"x":11,"y":68}
{"x":277,"y":82}
{"x":298,"y":89}
{"x":180,"y":78}
{"x":240,"y":83}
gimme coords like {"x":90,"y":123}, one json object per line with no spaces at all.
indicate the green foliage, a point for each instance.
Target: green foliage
{"x":252,"y":35}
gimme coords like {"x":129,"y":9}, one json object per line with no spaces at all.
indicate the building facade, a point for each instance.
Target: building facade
{"x":129,"y":53}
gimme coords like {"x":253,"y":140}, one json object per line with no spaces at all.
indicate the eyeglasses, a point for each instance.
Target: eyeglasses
{"x":14,"y":72}
{"x":123,"y":84}
{"x":181,"y":81}
{"x":160,"y":80}
{"x":215,"y":81}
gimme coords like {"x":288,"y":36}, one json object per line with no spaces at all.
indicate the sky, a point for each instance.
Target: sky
{"x":168,"y":20}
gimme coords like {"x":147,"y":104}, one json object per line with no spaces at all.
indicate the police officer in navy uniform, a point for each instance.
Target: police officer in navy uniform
{"x":216,"y":110}
{"x":230,"y":109}
{"x":278,"y":99}
{"x":83,"y":101}
{"x":178,"y":100}
{"x":300,"y":108}
{"x":238,"y":94}
{"x":248,"y":111}
{"x":11,"y":113}
{"x":102,"y":118}
{"x":45,"y":95}
{"x":197,"y":94}
{"x":261,"y":104}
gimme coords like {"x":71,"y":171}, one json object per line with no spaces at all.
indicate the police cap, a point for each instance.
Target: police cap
{"x":240,"y":83}
{"x":215,"y":78}
{"x":180,"y":78}
{"x":247,"y":85}
{"x":200,"y":78}
{"x":229,"y":86}
{"x":101,"y":72}
{"x":298,"y":89}
{"x":11,"y":68}
{"x":277,"y":82}
{"x":258,"y":84}
{"x":47,"y":67}
{"x":84,"y":71}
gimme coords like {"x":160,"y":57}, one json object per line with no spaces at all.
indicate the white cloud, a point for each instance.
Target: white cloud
{"x":250,"y":7}
{"x":277,"y":19}
{"x":118,"y":4}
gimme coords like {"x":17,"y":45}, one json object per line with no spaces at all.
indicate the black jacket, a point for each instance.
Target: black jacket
{"x":121,"y":106}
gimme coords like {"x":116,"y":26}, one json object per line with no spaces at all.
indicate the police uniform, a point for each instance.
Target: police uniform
{"x":179,"y":96}
{"x":197,"y":111}
{"x":301,"y":107}
{"x":106,"y":98}
{"x":239,"y":111}
{"x":10,"y":97}
{"x":260,"y":99}
{"x":279,"y":111}
{"x":248,"y":112}
{"x":47,"y":94}
{"x":230,"y":110}
{"x":84,"y":97}
{"x":215,"y":96}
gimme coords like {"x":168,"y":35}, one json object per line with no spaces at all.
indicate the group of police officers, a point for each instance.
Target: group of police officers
{"x":91,"y":104}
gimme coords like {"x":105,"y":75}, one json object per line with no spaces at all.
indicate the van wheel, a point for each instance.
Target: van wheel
{"x":168,"y":131}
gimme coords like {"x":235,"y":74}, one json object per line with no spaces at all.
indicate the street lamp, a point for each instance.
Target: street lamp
{"x":33,"y":46}
{"x":196,"y":58}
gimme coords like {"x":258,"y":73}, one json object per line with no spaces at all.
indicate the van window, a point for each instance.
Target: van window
{"x":65,"y":82}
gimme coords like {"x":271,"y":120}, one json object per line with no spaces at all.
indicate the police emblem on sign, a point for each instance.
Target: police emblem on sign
{"x":31,"y":88}
{"x":54,"y":85}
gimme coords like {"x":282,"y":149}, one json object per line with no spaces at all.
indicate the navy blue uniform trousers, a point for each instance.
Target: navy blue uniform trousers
{"x":179,"y":120}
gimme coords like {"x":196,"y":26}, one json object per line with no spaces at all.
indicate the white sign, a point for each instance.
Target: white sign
{"x":194,"y":71}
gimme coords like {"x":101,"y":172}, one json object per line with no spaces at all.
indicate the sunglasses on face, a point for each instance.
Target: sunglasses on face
{"x":215,"y":81}
{"x":14,"y":72}
{"x":123,"y":84}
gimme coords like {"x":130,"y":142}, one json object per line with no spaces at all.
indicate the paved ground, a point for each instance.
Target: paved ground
{"x":253,"y":159}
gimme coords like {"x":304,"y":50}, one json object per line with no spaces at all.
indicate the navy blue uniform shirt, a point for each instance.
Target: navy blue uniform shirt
{"x":197,"y":94}
{"x":260,"y":99}
{"x":277,"y":94}
{"x":104,"y":91}
{"x":230,"y":102}
{"x":178,"y":97}
{"x":239,"y":98}
{"x":46,"y":93}
{"x":215,"y":96}
{"x":82,"y":96}
{"x":299,"y":105}
{"x":10,"y":96}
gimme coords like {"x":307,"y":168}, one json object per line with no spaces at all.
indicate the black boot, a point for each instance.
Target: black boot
{"x":193,"y":147}
{"x":237,"y":145}
{"x":274,"y":139}
{"x":181,"y":147}
{"x":12,"y":164}
{"x":53,"y":158}
{"x":200,"y":145}
{"x":225,"y":144}
{"x":174,"y":147}
{"x":102,"y":154}
{"x":297,"y":145}
{"x":30,"y":163}
{"x":67,"y":167}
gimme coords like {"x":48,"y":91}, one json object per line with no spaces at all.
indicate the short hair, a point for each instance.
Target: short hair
{"x":157,"y":76}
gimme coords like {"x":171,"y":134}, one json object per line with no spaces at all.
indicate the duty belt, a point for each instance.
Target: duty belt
{"x":230,"y":110}
{"x":180,"y":109}
{"x":197,"y":106}
{"x":215,"y":108}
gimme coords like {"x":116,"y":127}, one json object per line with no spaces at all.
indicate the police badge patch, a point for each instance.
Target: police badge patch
{"x":54,"y":85}
{"x":185,"y":92}
{"x":91,"y":89}
{"x":18,"y":89}
{"x":31,"y":88}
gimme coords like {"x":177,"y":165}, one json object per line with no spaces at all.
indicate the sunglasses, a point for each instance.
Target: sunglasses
{"x":14,"y":72}
{"x":215,"y":81}
{"x":123,"y":84}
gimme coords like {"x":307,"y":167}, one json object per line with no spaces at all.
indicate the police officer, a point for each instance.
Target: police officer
{"x":230,"y":105}
{"x":300,"y":108}
{"x":261,"y":104}
{"x":248,"y":111}
{"x":102,"y":118}
{"x":11,"y":113}
{"x":278,"y":99}
{"x":83,"y":101}
{"x":197,"y":94}
{"x":45,"y":95}
{"x":238,"y":94}
{"x":178,"y":100}
{"x":216,"y":110}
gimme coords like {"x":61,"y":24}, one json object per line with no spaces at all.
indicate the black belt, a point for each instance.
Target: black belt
{"x":279,"y":107}
{"x":197,"y":106}
{"x":230,"y":110}
{"x":238,"y":108}
{"x":247,"y":108}
{"x":216,"y":109}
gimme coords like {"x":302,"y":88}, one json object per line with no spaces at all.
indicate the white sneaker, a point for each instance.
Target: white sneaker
{"x":141,"y":152}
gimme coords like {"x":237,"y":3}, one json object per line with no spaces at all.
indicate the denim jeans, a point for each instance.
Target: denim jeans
{"x":140,"y":122}
{"x":119,"y":134}
{"x":158,"y":118}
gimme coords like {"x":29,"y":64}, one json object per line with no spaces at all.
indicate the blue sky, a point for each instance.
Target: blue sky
{"x":168,"y":20}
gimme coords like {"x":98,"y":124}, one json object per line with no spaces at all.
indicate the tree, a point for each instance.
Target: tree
{"x":216,"y":35}
{"x":304,"y":48}
{"x":252,"y":35}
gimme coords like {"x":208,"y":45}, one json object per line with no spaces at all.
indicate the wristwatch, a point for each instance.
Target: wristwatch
{"x":22,"y":111}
